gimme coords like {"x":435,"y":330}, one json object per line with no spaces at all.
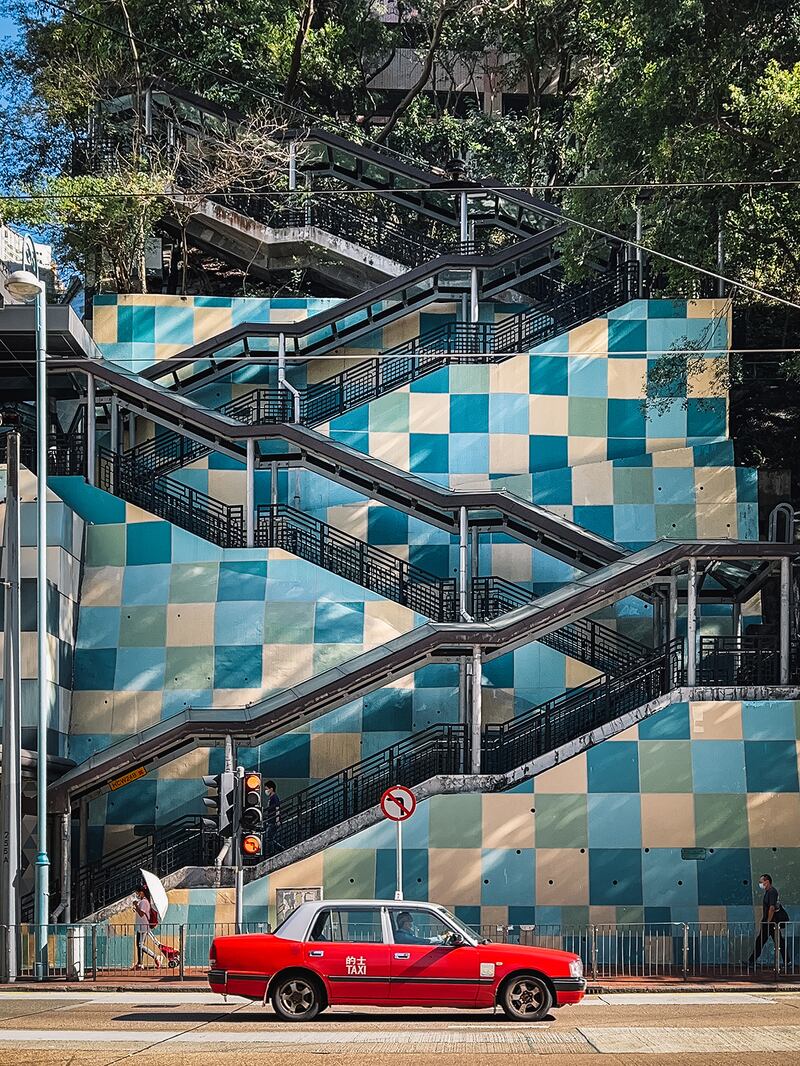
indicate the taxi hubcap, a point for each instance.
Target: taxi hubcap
{"x":297,"y":997}
{"x":525,"y":997}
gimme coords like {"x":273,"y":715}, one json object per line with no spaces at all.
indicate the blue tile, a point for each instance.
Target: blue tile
{"x":667,"y":879}
{"x":626,"y":419}
{"x":706,"y":418}
{"x":287,"y":756}
{"x":469,"y":413}
{"x":239,"y":622}
{"x":588,"y":376}
{"x":614,"y":820}
{"x":615,"y":877}
{"x":386,"y":526}
{"x":469,"y":453}
{"x":553,"y":487}
{"x":669,"y":724}
{"x":133,"y":805}
{"x":388,"y":710}
{"x":508,"y":877}
{"x":238,"y":666}
{"x":94,"y":669}
{"x":338,"y":623}
{"x":764,"y":720}
{"x":428,"y":452}
{"x":547,"y":453}
{"x":434,"y":558}
{"x":143,"y":585}
{"x":140,"y":669}
{"x":634,"y":523}
{"x":415,"y":873}
{"x":724,"y":878}
{"x":624,"y":448}
{"x":718,"y":766}
{"x":599,"y":519}
{"x":242,"y":580}
{"x":98,"y":627}
{"x":508,"y":412}
{"x":613,"y":766}
{"x":771,"y":765}
{"x":549,"y":375}
{"x":148,"y":542}
{"x":499,"y":672}
{"x":355,"y":421}
{"x":627,"y":336}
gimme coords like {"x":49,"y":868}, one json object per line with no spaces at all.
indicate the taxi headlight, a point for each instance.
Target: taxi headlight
{"x":576,"y":968}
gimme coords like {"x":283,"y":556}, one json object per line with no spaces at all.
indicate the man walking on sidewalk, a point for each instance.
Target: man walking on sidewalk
{"x":773,"y":918}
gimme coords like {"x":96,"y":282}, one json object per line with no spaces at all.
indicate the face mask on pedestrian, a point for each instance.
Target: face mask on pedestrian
{"x":762,"y":884}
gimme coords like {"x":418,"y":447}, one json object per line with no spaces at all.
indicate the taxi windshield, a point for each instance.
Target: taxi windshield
{"x":468,"y":933}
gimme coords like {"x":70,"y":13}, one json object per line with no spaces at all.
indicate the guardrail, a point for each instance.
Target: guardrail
{"x":670,"y":951}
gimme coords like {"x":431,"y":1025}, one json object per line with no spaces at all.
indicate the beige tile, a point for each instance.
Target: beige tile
{"x":332,"y":752}
{"x":717,"y":521}
{"x":626,"y":379}
{"x":507,"y":822}
{"x":453,"y":876}
{"x":511,"y":376}
{"x":716,"y":720}
{"x":584,"y":451}
{"x":92,"y":712}
{"x":190,"y":624}
{"x":237,"y":697}
{"x":774,"y":819}
{"x":350,"y":518}
{"x":548,"y":415}
{"x":712,"y":914}
{"x":191,"y":766}
{"x":710,"y":380}
{"x":717,"y":307}
{"x":671,"y":454}
{"x":287,"y":314}
{"x":593,"y":484}
{"x":104,"y":324}
{"x":568,"y":870}
{"x":494,"y":916}
{"x":567,"y":777}
{"x":102,"y":586}
{"x":514,"y":562}
{"x":287,"y":664}
{"x":167,"y":351}
{"x":589,"y":339}
{"x":509,"y":453}
{"x":210,"y":321}
{"x":384,"y":620}
{"x":668,"y":820}
{"x":603,"y":915}
{"x":428,"y":412}
{"x":133,"y":711}
{"x":136,"y":514}
{"x":578,"y":673}
{"x":390,"y":448}
{"x":631,"y":733}
{"x":227,"y":486}
{"x":715,"y":484}
{"x":498,"y":705}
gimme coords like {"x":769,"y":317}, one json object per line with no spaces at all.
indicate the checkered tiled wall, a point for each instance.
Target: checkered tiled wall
{"x":64,"y":554}
{"x":596,"y":839}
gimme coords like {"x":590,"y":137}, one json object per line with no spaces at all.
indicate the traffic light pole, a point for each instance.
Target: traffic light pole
{"x":237,"y":858}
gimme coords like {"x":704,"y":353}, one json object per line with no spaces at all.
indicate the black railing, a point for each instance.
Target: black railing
{"x":574,"y":714}
{"x":746,"y":660}
{"x":220,"y":523}
{"x":440,"y":749}
{"x":278,"y":526}
{"x":185,"y":842}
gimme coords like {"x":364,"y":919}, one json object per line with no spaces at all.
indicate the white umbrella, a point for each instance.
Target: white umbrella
{"x":158,"y":894}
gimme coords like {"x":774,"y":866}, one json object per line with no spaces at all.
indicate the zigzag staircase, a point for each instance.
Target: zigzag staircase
{"x":439,"y":751}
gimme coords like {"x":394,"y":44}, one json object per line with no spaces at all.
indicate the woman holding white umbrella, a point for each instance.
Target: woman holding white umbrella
{"x":150,"y":906}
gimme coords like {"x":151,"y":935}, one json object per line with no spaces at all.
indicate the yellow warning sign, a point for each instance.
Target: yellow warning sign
{"x":126,"y":779}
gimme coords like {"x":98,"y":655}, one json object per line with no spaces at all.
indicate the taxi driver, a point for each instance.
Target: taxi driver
{"x":404,"y":931}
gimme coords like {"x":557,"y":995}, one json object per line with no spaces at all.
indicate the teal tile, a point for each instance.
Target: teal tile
{"x":665,"y":765}
{"x":193,"y":583}
{"x":455,"y":822}
{"x":143,"y":627}
{"x":105,"y":545}
{"x":561,"y":821}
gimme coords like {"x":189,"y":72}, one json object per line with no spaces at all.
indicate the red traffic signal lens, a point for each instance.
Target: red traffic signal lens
{"x":251,"y":845}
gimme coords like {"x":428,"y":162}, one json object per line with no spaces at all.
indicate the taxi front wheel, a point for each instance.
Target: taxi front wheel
{"x":297,"y":998}
{"x":525,"y":998}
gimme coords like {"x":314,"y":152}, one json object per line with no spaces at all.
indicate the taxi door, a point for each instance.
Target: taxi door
{"x":348,"y":949}
{"x":432,"y":972}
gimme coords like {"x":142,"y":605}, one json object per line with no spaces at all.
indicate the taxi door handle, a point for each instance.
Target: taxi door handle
{"x":402,"y":954}
{"x":316,"y":954}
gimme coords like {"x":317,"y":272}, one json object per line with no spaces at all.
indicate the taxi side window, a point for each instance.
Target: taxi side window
{"x":348,"y":926}
{"x":418,"y":927}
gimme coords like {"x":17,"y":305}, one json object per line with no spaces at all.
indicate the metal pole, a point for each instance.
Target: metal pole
{"x":736,"y":619}
{"x":114,"y":426}
{"x":66,"y":866}
{"x":720,"y":257}
{"x":691,"y":624}
{"x":42,"y":860}
{"x":399,"y":890}
{"x":463,"y":580}
{"x":292,"y":166}
{"x":239,"y":891}
{"x":476,"y":712}
{"x":464,"y":219}
{"x":273,"y":484}
{"x":784,"y":619}
{"x":474,"y":306}
{"x":91,"y":431}
{"x":250,"y":493}
{"x":131,"y":429}
{"x":10,"y":781}
{"x":639,"y":252}
{"x":672,"y":624}
{"x":282,"y":381}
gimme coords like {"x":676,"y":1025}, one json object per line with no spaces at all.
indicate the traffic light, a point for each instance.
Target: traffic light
{"x":252,"y":814}
{"x":221,"y":802}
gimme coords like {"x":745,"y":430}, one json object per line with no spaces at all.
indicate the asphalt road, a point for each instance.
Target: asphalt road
{"x":52,"y":1028}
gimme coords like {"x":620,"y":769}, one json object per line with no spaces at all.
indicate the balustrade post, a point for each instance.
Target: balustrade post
{"x":593,"y":951}
{"x":94,"y":951}
{"x":685,"y":953}
{"x":182,"y":950}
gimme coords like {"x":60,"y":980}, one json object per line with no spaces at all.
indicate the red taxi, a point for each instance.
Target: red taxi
{"x":389,"y":954}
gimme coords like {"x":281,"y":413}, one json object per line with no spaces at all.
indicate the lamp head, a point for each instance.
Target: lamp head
{"x":24,"y":284}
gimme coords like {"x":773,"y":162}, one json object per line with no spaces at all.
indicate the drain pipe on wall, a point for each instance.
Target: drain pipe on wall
{"x":465,"y":665}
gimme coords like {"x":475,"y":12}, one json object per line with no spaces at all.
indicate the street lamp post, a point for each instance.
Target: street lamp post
{"x":24,"y":284}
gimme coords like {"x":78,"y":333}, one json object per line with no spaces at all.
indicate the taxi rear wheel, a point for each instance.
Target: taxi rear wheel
{"x":297,"y":997}
{"x":526,"y":998}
